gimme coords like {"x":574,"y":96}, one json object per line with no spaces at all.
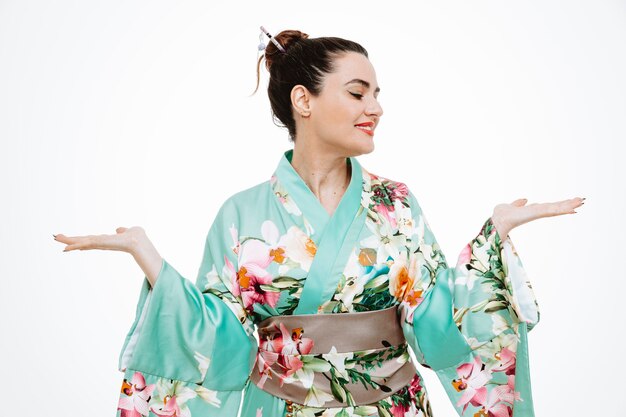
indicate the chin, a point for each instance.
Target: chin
{"x":362,"y":147}
{"x":369,"y":149}
{"x":354,"y":146}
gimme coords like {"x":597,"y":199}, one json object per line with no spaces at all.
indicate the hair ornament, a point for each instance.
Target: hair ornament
{"x":271,"y":38}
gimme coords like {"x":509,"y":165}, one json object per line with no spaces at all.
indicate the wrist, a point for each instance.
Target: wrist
{"x":501,"y":228}
{"x":139,"y":243}
{"x":148,"y":258}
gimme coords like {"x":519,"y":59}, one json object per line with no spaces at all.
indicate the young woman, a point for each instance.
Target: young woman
{"x":337,"y":273}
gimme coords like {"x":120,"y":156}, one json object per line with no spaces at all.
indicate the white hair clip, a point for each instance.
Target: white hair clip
{"x":274,"y":41}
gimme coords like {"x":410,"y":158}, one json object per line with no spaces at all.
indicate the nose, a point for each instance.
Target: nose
{"x":374,"y":108}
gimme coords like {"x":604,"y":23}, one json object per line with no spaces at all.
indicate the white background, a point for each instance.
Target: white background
{"x":118,"y":113}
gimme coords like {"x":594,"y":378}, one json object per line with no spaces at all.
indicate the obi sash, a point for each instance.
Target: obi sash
{"x":354,"y":358}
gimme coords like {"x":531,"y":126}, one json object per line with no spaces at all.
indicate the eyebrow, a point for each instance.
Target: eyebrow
{"x":363,"y":83}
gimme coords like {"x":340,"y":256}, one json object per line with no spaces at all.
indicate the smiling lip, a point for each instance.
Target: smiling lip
{"x":367,"y":127}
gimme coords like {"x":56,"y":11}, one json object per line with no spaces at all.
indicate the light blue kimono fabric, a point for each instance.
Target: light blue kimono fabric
{"x":273,"y":250}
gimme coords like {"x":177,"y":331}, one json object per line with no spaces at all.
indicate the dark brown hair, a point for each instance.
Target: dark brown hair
{"x":305,"y":62}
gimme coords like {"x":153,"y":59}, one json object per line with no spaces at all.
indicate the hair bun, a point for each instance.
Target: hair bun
{"x":286,"y":39}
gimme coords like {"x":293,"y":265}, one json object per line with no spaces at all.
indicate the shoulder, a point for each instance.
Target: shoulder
{"x":385,"y":183}
{"x":390,"y":193}
{"x":384,"y":187}
{"x":245,"y":206}
{"x":247,"y":197}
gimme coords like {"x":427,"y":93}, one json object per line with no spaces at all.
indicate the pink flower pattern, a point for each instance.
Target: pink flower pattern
{"x":284,"y":350}
{"x":474,"y":378}
{"x":135,"y":397}
{"x":254,"y":260}
{"x":169,"y":409}
{"x":414,"y":388}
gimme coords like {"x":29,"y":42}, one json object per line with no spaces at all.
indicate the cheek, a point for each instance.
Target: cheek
{"x":333,"y":111}
{"x":336,"y":118}
{"x":331,"y":117}
{"x":345,"y":114}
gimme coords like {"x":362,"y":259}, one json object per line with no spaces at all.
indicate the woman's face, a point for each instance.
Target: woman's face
{"x":345,"y":114}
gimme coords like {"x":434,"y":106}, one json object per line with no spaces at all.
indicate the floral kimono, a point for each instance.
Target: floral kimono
{"x":274,"y":253}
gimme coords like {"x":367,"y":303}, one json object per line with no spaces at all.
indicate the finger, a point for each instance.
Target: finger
{"x":520,"y":202}
{"x":87,"y":242}
{"x":557,"y":208}
{"x":568,"y":206}
{"x":63,"y":239}
{"x":71,"y":248}
{"x":105,"y":242}
{"x":84,"y":243}
{"x":121,"y":229}
{"x":579,"y":201}
{"x":77,"y":247}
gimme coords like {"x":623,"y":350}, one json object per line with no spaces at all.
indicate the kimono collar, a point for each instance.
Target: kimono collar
{"x":308,"y":204}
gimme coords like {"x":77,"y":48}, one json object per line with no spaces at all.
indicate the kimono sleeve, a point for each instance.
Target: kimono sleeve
{"x":187,"y":352}
{"x":470,"y":322}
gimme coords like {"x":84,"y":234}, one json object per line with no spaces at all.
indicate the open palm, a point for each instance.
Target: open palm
{"x":508,"y":216}
{"x":124,"y":240}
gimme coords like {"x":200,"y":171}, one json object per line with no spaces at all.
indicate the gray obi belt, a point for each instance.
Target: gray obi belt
{"x":333,"y":360}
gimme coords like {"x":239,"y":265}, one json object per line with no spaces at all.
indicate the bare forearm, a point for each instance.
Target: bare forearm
{"x":147,"y":257}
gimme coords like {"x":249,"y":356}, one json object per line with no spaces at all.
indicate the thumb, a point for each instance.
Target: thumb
{"x":520,"y":202}
{"x":121,"y":229}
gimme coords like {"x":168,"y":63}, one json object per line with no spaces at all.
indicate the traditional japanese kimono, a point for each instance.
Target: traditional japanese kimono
{"x":372,"y":274}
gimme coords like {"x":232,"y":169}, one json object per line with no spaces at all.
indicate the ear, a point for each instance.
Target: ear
{"x":300,"y":96}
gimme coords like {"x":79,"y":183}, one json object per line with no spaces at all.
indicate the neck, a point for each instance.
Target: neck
{"x":325,"y":173}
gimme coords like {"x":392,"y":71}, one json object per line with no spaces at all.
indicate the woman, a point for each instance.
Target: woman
{"x":336,"y":271}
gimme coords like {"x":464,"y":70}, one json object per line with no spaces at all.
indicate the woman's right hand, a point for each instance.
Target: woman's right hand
{"x":132,"y":240}
{"x":125,"y":240}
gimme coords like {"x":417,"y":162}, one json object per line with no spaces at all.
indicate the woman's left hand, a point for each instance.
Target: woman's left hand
{"x":506,"y":217}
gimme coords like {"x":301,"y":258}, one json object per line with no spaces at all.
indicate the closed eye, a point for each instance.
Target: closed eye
{"x":357,"y":95}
